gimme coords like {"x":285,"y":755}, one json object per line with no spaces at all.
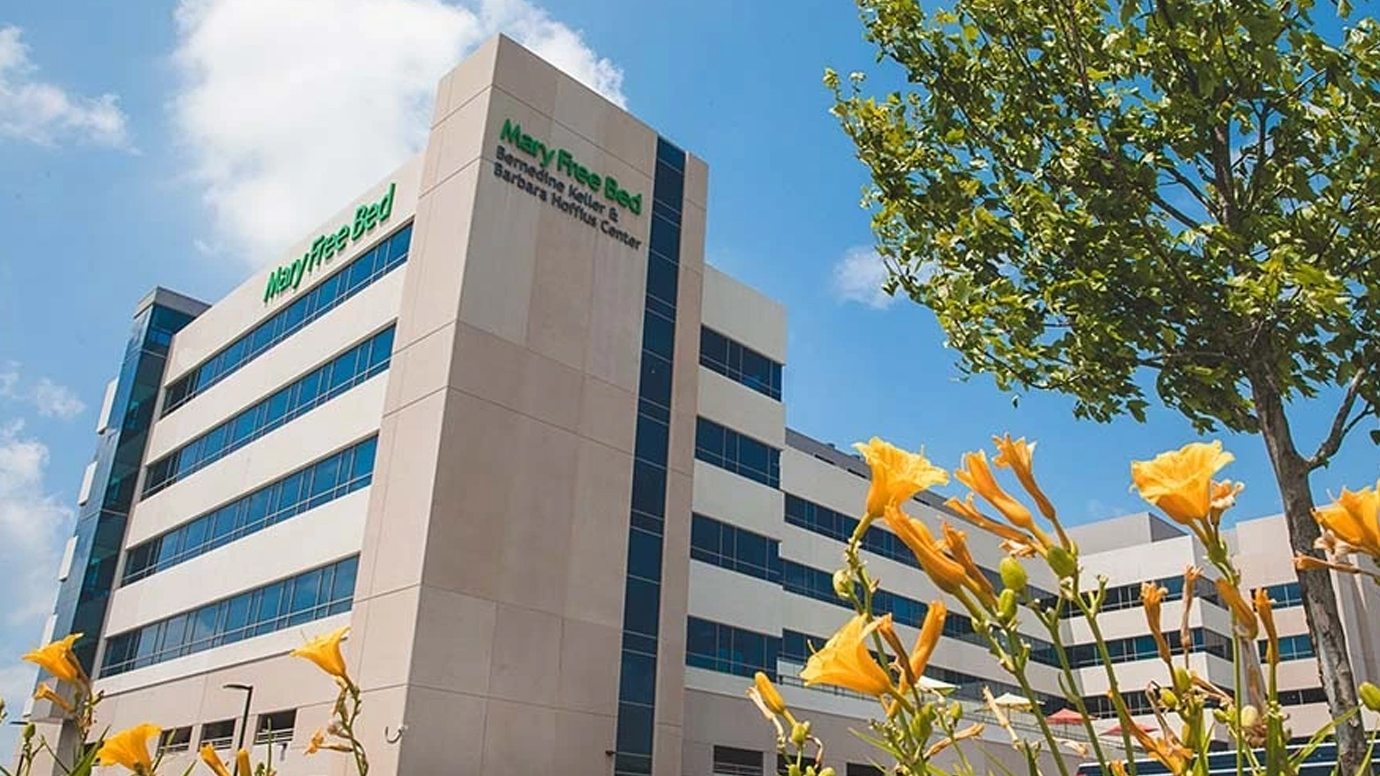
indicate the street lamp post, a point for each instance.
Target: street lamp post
{"x":248,"y":690}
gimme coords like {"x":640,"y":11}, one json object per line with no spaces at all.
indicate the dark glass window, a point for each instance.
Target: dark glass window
{"x":219,"y":734}
{"x":276,"y":727}
{"x":1285,"y":595}
{"x":730,"y":650}
{"x":332,"y":477}
{"x":737,"y":762}
{"x":1128,"y":596}
{"x":363,"y":361}
{"x":738,"y":453}
{"x":389,"y":253}
{"x":250,"y":613}
{"x":734,"y":548}
{"x":175,"y":740}
{"x":740,"y":363}
{"x":1292,"y":647}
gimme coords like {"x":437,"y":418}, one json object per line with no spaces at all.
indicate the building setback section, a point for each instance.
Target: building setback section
{"x":499,"y":418}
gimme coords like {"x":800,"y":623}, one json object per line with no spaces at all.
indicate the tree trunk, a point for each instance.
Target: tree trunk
{"x":1319,"y":597}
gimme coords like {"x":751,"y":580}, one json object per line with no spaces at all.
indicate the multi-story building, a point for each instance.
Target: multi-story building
{"x":499,"y":417}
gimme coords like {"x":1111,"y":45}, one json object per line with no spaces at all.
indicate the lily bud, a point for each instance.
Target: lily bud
{"x":829,"y":771}
{"x":1250,"y":715}
{"x":1006,"y":605}
{"x":800,"y":732}
{"x":29,"y":730}
{"x":1168,"y":698}
{"x":1183,"y":680}
{"x":1061,"y":562}
{"x":1013,"y":574}
{"x":843,"y":584}
{"x":1370,"y":696}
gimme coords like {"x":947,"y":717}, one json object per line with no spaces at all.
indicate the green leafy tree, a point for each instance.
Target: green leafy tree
{"x":1094,"y":198}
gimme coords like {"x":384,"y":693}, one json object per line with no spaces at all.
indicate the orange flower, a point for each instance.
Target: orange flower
{"x":1151,"y":596}
{"x":130,"y":748}
{"x":846,"y":662}
{"x":897,"y":475}
{"x":769,"y":694}
{"x":1264,"y":608}
{"x":1018,"y":456}
{"x":58,"y":659}
{"x":948,"y":574}
{"x":324,"y":651}
{"x":955,"y":541}
{"x":212,"y":760}
{"x":1179,"y":482}
{"x":242,"y":767}
{"x":930,"y":631}
{"x":1352,"y":519}
{"x":967,"y":511}
{"x":45,"y":693}
{"x":976,"y":474}
{"x":1242,"y":616}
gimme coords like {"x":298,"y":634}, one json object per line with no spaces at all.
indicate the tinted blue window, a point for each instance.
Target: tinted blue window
{"x":351,"y":368}
{"x":737,"y":453}
{"x":317,"y":301}
{"x":739,"y":363}
{"x":254,"y":511}
{"x":228,"y":620}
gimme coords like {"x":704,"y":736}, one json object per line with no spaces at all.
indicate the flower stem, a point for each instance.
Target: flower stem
{"x":1052,"y":626}
{"x":1123,"y":714}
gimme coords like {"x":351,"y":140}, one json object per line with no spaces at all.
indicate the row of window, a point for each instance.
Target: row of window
{"x":1292,"y":647}
{"x":1100,"y":706}
{"x":740,"y":363}
{"x":308,"y":596}
{"x":322,"y":384}
{"x":316,"y":302}
{"x":729,"y":650}
{"x":271,"y":728}
{"x":1134,"y":648}
{"x":1285,"y":595}
{"x":326,"y":480}
{"x":738,"y":453}
{"x":824,"y":521}
{"x":1128,"y":596}
{"x":736,"y":549}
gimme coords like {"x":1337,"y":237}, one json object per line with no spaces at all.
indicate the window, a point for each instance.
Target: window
{"x":737,"y":453}
{"x":317,"y":387}
{"x":1301,"y":697}
{"x":175,"y":740}
{"x":1285,"y":595}
{"x":1128,"y":596}
{"x":1291,"y":647}
{"x":729,"y":650}
{"x":219,"y":734}
{"x":334,"y":476}
{"x":861,"y":769}
{"x":737,"y":762}
{"x":389,"y":253}
{"x":310,"y":596}
{"x":728,"y":546}
{"x":739,"y":363}
{"x":275,"y":728}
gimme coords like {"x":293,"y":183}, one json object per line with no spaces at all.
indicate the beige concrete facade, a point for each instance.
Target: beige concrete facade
{"x":490,"y":613}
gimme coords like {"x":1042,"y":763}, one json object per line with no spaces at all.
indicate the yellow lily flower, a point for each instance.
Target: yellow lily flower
{"x":324,"y":651}
{"x":947,"y":573}
{"x":897,"y":475}
{"x":1242,"y":616}
{"x":976,"y":474}
{"x":1352,"y":518}
{"x":970,"y":513}
{"x":930,"y":631}
{"x":956,"y":542}
{"x":844,"y":661}
{"x":1179,"y":482}
{"x":1018,"y":456}
{"x":1265,"y":609}
{"x":242,"y":767}
{"x":130,"y":748}
{"x":212,"y":760}
{"x":769,"y":694}
{"x":57,"y":659}
{"x":1151,"y":596}
{"x":46,"y":693}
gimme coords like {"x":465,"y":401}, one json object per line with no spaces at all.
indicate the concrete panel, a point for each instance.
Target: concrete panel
{"x":742,"y":409}
{"x":747,"y":316}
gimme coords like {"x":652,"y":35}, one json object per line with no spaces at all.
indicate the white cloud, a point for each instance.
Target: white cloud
{"x":50,"y":399}
{"x":287,"y":108}
{"x":46,"y":114}
{"x":858,"y":277}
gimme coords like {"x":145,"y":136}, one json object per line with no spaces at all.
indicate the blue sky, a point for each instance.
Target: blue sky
{"x":143,"y":146}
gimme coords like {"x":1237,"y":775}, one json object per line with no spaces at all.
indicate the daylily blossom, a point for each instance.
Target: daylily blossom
{"x":324,"y":651}
{"x":1179,"y":482}
{"x":897,"y":475}
{"x":845,"y":661}
{"x":130,"y":748}
{"x":57,"y":659}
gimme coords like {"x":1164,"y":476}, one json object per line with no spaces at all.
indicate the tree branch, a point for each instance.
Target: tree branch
{"x":1340,"y":424}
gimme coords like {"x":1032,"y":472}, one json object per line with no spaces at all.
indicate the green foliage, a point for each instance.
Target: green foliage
{"x":1090,"y":194}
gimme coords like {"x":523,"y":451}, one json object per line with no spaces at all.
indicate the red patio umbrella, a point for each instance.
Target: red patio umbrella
{"x":1066,"y":716}
{"x":1115,"y":730}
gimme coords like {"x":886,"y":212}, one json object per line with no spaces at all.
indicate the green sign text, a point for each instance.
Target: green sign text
{"x":565,"y":163}
{"x":323,"y":248}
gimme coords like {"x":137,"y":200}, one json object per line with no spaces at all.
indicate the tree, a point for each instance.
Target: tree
{"x":1092,"y":196}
